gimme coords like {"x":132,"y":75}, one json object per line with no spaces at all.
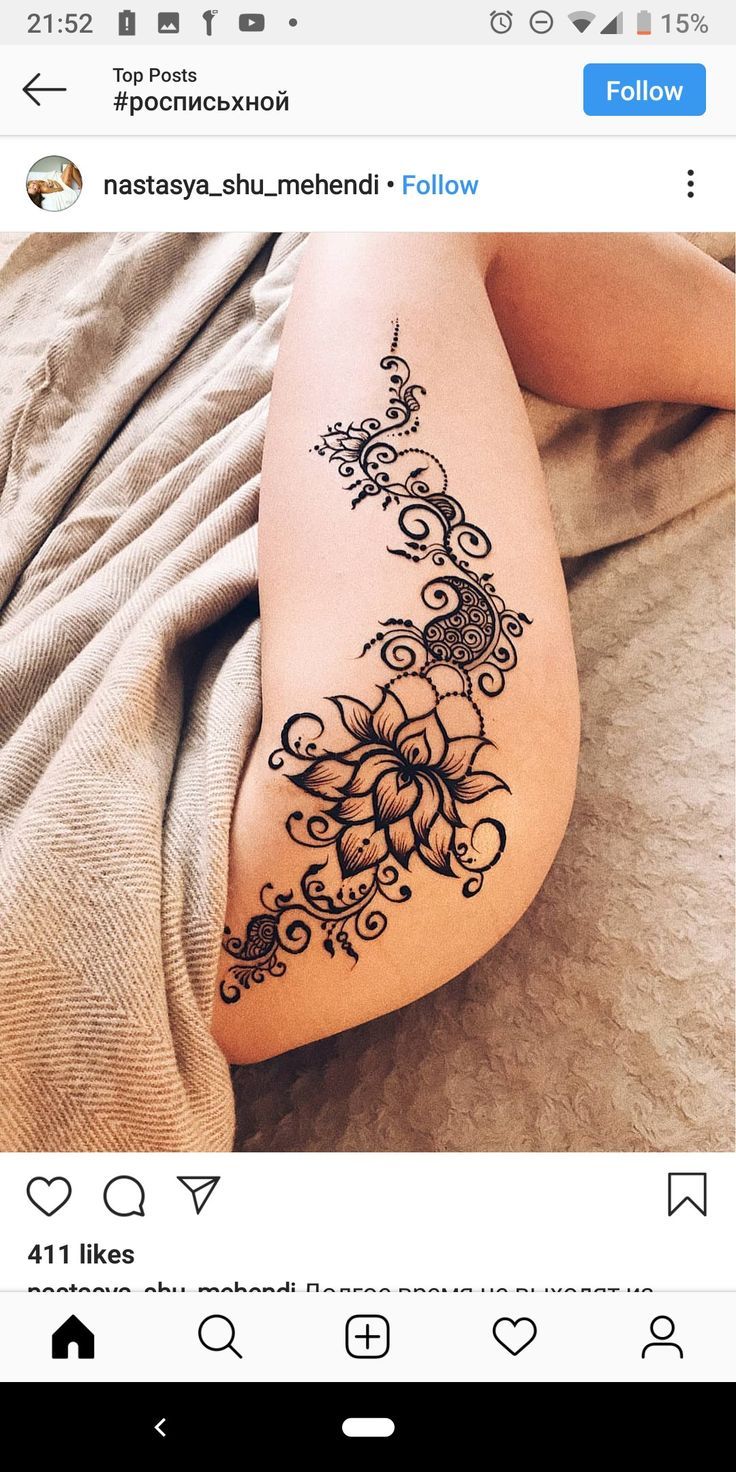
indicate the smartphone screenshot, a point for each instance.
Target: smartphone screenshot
{"x":366,"y":725}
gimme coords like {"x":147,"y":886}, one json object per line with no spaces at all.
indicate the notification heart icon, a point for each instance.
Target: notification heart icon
{"x":514,"y":1334}
{"x":49,"y":1196}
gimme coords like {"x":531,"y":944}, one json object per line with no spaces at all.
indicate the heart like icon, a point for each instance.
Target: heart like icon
{"x":49,"y":1196}
{"x":514,"y":1334}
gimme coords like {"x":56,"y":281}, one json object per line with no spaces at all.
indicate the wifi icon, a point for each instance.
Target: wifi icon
{"x":581,"y":19}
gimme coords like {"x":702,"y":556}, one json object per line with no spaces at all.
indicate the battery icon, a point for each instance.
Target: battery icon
{"x":644,"y":23}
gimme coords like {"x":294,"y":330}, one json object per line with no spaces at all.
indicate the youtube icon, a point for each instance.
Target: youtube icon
{"x":252,"y":22}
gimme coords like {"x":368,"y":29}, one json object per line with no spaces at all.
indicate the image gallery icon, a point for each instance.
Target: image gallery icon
{"x":168,"y":22}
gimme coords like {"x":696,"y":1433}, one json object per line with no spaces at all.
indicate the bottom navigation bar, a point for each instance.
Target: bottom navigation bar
{"x":259,"y":1338}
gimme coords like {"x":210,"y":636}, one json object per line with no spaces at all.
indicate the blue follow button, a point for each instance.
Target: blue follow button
{"x":646,"y":91}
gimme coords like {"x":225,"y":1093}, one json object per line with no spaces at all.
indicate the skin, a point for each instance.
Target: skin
{"x":478,"y":315}
{"x":38,"y":187}
{"x":70,"y":175}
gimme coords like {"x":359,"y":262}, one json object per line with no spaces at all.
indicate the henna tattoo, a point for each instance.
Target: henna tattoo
{"x":471,"y":627}
{"x":400,"y":780}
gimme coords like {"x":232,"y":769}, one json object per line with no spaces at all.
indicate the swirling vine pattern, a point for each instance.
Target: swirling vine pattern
{"x":401,"y":778}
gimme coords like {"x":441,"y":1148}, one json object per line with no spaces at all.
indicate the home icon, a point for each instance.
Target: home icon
{"x":73,"y":1331}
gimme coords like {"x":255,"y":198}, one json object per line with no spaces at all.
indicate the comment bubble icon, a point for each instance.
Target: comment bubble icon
{"x":124,"y":1196}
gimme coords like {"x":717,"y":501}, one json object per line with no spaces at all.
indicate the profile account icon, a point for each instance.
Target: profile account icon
{"x":661,"y":1329}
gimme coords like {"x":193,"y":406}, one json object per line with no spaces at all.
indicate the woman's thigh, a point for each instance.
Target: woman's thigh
{"x":416,"y":764}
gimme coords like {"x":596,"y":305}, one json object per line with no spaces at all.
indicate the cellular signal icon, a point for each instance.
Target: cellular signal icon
{"x":581,"y":19}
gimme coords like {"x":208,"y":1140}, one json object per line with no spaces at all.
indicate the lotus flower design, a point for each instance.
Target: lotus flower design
{"x":418,"y":758}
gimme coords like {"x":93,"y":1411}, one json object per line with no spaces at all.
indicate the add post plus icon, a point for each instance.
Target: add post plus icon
{"x":367,"y":1337}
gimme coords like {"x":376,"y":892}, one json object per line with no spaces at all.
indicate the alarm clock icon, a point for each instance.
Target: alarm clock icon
{"x":501,"y":21}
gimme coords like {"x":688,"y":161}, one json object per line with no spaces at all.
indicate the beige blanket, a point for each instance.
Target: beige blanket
{"x":133,"y":395}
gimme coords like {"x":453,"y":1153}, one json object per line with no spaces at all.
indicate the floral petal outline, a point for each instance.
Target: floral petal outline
{"x":426,"y":809}
{"x":437,"y":851}
{"x":356,"y":716}
{"x":461,"y":752}
{"x":423,"y":741}
{"x":394,"y":799}
{"x":360,"y":847}
{"x":389,"y":716}
{"x":477,"y":785}
{"x":354,"y":810}
{"x":367,"y":772}
{"x":326,"y":777}
{"x":401,"y":840}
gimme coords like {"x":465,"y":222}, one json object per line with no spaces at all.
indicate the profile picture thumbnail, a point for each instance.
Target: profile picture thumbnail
{"x":54,"y":183}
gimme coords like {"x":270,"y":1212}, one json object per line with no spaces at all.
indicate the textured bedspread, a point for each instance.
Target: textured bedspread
{"x":134,"y":384}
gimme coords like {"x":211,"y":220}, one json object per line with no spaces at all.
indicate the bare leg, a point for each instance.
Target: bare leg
{"x":590,"y":320}
{"x":598,"y":320}
{"x":457,"y":784}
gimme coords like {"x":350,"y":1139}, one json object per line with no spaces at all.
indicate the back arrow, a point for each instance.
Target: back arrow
{"x":158,"y":1426}
{"x":30,"y":90}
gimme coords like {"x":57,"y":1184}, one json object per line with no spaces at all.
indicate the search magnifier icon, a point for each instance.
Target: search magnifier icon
{"x":216,"y":1333}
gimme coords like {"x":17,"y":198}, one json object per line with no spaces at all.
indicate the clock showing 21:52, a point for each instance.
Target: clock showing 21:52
{"x":45,"y":25}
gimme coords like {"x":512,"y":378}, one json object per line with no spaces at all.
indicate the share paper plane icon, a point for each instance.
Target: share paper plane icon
{"x":201,"y":1188}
